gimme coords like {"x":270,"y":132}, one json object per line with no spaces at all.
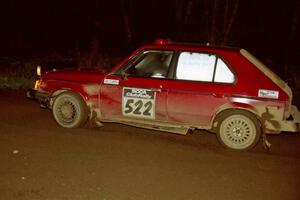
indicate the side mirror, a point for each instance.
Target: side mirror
{"x":124,"y":75}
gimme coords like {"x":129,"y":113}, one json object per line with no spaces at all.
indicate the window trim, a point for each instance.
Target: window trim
{"x":231,"y":70}
{"x":214,"y":72}
{"x":138,"y":57}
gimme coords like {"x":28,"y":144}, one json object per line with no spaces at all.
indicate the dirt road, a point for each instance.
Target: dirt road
{"x":40,"y":161}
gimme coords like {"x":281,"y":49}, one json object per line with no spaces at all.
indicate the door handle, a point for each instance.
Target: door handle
{"x":218,"y":95}
{"x":156,"y":89}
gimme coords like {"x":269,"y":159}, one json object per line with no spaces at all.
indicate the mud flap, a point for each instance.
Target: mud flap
{"x":93,"y":118}
{"x":267,"y":145}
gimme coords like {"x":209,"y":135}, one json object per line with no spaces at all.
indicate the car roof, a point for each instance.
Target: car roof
{"x":192,"y":46}
{"x":168,"y":44}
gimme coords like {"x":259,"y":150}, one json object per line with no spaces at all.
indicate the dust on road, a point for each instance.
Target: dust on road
{"x":42,"y":161}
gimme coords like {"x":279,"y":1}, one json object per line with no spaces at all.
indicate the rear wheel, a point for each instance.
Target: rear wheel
{"x":69,"y":110}
{"x":238,"y":130}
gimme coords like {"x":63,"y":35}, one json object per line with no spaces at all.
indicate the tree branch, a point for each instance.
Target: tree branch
{"x":229,"y":26}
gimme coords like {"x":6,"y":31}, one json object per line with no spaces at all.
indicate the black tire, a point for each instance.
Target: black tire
{"x":238,"y":129}
{"x":70,"y":110}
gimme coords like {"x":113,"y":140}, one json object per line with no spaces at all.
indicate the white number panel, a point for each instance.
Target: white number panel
{"x":138,"y":102}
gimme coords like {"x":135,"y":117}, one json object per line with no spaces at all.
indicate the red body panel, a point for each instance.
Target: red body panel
{"x":111,"y":96}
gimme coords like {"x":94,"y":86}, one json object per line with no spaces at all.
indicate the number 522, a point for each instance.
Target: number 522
{"x":138,"y":107}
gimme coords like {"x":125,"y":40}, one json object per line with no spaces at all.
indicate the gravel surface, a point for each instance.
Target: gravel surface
{"x":41,"y":161}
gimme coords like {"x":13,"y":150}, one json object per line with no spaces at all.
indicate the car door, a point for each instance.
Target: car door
{"x":135,"y":91}
{"x":202,"y":83}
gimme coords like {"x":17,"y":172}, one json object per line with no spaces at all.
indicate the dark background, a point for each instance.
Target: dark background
{"x":269,"y":29}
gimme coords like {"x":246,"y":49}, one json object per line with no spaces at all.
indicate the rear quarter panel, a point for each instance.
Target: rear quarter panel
{"x":244,"y":94}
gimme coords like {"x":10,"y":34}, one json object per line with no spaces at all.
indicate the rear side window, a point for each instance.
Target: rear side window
{"x":203,"y":67}
{"x":223,"y":73}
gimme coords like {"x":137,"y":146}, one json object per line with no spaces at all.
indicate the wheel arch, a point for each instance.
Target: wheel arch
{"x":57,"y":92}
{"x":233,"y":106}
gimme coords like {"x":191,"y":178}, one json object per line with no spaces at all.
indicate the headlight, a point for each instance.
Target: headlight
{"x":39,"y":70}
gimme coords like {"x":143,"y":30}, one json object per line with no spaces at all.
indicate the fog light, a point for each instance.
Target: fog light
{"x":37,"y":84}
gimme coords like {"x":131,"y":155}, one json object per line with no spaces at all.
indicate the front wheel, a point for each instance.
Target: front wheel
{"x":238,"y":130}
{"x":69,"y":110}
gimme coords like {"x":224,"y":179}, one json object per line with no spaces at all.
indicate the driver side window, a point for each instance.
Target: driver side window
{"x":153,"y":64}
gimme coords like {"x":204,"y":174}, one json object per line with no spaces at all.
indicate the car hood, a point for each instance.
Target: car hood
{"x":76,"y":75}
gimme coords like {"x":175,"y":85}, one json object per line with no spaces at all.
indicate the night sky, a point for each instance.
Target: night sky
{"x":27,"y":27}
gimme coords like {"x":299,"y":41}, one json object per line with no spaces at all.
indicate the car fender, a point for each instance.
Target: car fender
{"x":88,"y":91}
{"x":234,"y":106}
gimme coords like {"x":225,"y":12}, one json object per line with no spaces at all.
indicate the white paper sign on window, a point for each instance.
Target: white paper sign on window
{"x":195,"y":66}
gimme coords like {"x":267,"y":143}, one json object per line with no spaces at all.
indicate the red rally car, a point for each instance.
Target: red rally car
{"x":176,"y":87}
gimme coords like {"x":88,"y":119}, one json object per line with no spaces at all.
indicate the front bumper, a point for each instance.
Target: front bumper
{"x":41,"y":97}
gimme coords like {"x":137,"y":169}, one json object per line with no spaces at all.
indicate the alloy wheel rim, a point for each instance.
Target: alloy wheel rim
{"x":238,"y":131}
{"x":67,"y":111}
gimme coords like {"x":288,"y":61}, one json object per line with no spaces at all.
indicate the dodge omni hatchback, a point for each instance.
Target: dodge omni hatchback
{"x":176,"y":87}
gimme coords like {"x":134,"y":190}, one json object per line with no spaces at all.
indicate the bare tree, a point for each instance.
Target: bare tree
{"x":213,"y":35}
{"x":127,"y":8}
{"x":217,"y":19}
{"x":295,"y":22}
{"x":223,"y":15}
{"x":229,"y":18}
{"x":184,"y":11}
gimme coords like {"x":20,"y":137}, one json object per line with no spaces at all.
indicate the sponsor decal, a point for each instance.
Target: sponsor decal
{"x":111,"y":81}
{"x":138,"y":102}
{"x":272,"y":94}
